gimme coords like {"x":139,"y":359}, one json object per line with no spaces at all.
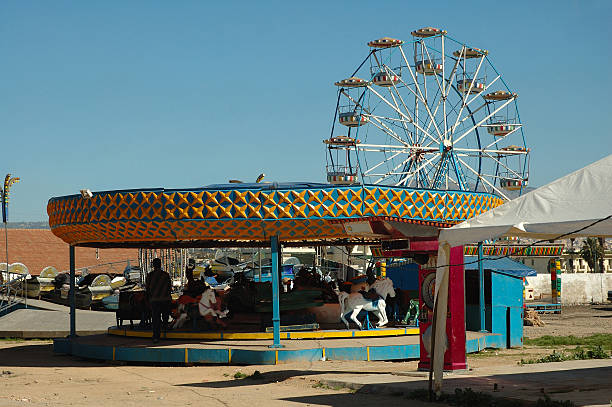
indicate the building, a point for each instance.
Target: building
{"x":39,"y":248}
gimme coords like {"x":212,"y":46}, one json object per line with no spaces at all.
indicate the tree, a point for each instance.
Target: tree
{"x":592,"y":252}
{"x":600,"y":259}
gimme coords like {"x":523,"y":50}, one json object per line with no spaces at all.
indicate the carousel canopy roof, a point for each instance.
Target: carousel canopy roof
{"x":240,"y":214}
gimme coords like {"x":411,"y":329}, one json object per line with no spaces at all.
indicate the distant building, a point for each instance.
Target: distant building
{"x":39,"y":248}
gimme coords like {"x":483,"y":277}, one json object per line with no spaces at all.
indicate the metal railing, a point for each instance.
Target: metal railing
{"x":10,"y":291}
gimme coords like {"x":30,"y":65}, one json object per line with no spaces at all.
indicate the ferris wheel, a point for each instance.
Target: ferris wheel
{"x":428,"y":113}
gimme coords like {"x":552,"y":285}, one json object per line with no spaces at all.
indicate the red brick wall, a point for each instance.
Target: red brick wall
{"x":39,"y":248}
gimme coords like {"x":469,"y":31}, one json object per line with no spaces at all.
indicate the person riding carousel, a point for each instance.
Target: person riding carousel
{"x":210,"y":277}
{"x":194,"y":287}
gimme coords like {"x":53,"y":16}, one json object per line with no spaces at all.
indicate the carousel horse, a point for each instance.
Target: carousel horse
{"x":206,"y":309}
{"x":356,"y":302}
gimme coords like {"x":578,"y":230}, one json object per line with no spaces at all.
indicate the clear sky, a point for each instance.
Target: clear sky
{"x":139,"y":94}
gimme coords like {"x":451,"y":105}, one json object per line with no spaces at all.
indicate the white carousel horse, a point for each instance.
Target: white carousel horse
{"x":356,"y":302}
{"x":204,"y":308}
{"x":205,"y":305}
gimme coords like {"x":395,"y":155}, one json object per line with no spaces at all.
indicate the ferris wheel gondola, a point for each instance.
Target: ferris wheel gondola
{"x":428,"y":118}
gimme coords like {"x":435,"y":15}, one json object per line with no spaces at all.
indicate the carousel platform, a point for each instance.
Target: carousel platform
{"x":222,"y":335}
{"x":255,"y":352}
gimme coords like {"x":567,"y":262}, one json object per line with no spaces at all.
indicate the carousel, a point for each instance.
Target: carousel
{"x":426,"y":135}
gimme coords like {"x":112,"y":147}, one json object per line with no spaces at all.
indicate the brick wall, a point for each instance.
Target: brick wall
{"x":39,"y":248}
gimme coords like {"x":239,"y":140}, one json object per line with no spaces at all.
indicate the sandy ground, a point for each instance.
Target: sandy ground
{"x":580,"y":320}
{"x":31,"y":375}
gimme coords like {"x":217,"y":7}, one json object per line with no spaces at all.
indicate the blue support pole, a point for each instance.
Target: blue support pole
{"x":72,"y":295}
{"x":481,"y":288}
{"x":276,"y":253}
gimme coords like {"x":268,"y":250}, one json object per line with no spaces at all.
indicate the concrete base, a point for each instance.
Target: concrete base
{"x":256,"y":352}
{"x":43,"y":319}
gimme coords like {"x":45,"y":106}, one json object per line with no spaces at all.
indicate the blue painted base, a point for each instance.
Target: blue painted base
{"x":239,"y":356}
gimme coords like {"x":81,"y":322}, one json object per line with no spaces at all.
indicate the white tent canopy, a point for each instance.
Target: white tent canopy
{"x":564,"y":206}
{"x":578,"y":204}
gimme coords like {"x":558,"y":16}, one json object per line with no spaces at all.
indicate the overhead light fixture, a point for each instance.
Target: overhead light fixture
{"x":86,"y":194}
{"x":235,"y":181}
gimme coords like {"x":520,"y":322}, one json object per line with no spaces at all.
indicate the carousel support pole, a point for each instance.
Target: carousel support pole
{"x":72,"y":295}
{"x":276,"y":253}
{"x":481,"y":289}
{"x":260,"y":264}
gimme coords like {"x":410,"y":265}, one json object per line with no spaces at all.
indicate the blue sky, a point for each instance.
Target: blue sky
{"x":116,"y":94}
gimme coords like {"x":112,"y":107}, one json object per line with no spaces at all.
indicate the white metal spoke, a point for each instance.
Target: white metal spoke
{"x":482,"y":178}
{"x":382,"y":162}
{"x":487,"y":117}
{"x":387,"y":130}
{"x":406,"y":116}
{"x":472,"y":100}
{"x":469,"y":116}
{"x":435,"y":112}
{"x":499,"y":138}
{"x":440,"y":86}
{"x":487,"y":86}
{"x":466,"y":95}
{"x":391,"y":173}
{"x":509,"y":170}
{"x":363,"y":146}
{"x":423,"y":99}
{"x":392,"y":119}
{"x":408,"y":132}
{"x":443,"y":88}
{"x":482,"y":150}
{"x":453,"y":72}
{"x":423,"y":165}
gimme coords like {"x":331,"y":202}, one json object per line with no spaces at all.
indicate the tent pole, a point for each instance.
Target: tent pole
{"x":72,"y":295}
{"x":481,"y":288}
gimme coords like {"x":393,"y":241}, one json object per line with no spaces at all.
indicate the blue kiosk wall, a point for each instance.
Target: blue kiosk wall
{"x":503,"y":295}
{"x":503,"y":289}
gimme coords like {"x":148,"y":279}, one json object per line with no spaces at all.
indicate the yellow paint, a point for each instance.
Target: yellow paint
{"x":323,"y":349}
{"x":368,"y":352}
{"x":229,"y":355}
{"x":266,"y":335}
{"x":186,"y":357}
{"x":276,"y":357}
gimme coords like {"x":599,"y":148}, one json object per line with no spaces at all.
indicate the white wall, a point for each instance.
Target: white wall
{"x":575,"y":288}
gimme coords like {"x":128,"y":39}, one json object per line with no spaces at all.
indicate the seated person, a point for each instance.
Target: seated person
{"x":194,"y":287}
{"x":209,"y":277}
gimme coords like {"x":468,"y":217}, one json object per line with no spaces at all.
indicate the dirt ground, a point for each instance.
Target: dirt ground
{"x":580,"y":320}
{"x":31,"y":375}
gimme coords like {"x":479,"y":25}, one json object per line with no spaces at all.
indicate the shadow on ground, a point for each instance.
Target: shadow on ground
{"x":584,"y":386}
{"x":40,"y":355}
{"x":351,"y":400}
{"x":275,"y":376}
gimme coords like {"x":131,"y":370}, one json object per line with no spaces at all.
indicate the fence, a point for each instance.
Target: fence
{"x":576,"y":289}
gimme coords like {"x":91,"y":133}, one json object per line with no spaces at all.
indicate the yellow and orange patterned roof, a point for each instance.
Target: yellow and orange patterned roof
{"x":244,"y":212}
